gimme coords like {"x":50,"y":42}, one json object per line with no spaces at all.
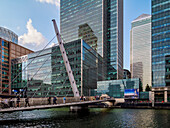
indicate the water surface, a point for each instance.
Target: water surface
{"x":95,"y":118}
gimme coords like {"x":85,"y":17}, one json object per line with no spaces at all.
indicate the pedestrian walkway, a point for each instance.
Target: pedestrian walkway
{"x":7,"y":110}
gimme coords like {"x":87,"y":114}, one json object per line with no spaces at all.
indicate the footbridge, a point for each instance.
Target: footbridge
{"x":38,"y":107}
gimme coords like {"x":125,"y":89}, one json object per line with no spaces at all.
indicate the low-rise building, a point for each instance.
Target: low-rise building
{"x":123,"y":88}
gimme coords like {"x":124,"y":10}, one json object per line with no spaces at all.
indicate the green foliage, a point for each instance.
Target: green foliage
{"x":148,"y":88}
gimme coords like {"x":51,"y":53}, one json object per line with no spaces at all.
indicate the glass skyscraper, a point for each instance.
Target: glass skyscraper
{"x":100,"y":24}
{"x":140,"y":49}
{"x":160,"y":42}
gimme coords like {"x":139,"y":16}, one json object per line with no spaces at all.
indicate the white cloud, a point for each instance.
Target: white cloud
{"x":55,"y":2}
{"x":33,"y":39}
{"x":52,"y":44}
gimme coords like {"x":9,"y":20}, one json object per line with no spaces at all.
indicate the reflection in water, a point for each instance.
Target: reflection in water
{"x":96,"y":118}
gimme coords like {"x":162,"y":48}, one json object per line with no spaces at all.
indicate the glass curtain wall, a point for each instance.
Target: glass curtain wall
{"x":116,"y":88}
{"x":4,"y":66}
{"x":160,"y":40}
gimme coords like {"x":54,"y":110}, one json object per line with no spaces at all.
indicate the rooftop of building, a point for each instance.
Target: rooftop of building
{"x":6,"y":29}
{"x":141,"y":17}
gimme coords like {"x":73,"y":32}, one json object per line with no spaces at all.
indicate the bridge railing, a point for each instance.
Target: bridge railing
{"x":40,"y":101}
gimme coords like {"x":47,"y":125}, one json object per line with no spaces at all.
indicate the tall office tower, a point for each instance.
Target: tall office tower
{"x":140,"y":49}
{"x":161,"y":50}
{"x":100,"y":24}
{"x":160,"y":42}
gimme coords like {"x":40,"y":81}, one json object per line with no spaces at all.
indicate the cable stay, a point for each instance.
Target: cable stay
{"x":27,"y":65}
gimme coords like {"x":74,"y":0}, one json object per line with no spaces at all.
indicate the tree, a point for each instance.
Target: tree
{"x":140,"y":87}
{"x":148,"y":88}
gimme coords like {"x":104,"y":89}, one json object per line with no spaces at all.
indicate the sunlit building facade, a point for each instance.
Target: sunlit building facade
{"x":140,"y":49}
{"x":100,"y":24}
{"x":8,"y":51}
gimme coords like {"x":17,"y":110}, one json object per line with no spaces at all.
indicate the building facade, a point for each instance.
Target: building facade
{"x":118,"y":88}
{"x":160,"y":50}
{"x":140,"y":49}
{"x":160,"y":40}
{"x":46,"y":74}
{"x":100,"y":24}
{"x":8,"y":51}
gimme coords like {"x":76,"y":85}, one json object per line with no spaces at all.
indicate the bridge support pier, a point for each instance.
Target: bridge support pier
{"x":79,"y":109}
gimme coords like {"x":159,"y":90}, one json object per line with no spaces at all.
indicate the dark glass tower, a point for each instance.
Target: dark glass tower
{"x":100,"y":24}
{"x":160,"y":42}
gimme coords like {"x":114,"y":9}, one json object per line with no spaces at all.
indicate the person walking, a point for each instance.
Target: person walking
{"x":27,"y":102}
{"x":54,"y":100}
{"x":49,"y":100}
{"x":18,"y":101}
{"x":64,"y":100}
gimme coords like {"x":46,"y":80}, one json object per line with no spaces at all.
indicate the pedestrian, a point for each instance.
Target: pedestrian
{"x":54,"y":100}
{"x":64,"y":100}
{"x":27,"y":102}
{"x":49,"y":100}
{"x":18,"y":101}
{"x":84,"y":98}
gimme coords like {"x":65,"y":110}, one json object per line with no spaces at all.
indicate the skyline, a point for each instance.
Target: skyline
{"x":30,"y":19}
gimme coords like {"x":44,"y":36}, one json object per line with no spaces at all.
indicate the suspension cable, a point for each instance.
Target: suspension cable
{"x":27,"y":65}
{"x":39,"y":69}
{"x":47,"y":75}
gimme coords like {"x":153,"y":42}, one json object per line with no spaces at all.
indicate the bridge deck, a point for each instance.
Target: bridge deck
{"x":52,"y":106}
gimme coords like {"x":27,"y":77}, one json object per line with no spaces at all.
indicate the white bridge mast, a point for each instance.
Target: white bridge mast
{"x":66,"y":62}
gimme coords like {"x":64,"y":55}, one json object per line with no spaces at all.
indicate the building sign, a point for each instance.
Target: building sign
{"x":131,"y":93}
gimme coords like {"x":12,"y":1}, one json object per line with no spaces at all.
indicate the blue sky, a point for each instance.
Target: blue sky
{"x":31,"y":21}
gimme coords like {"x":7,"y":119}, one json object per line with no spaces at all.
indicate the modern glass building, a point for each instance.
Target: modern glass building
{"x":116,"y":88}
{"x":46,"y":74}
{"x":140,"y":49}
{"x":100,"y":24}
{"x":160,"y":40}
{"x":160,"y":50}
{"x":8,"y":35}
{"x":114,"y":37}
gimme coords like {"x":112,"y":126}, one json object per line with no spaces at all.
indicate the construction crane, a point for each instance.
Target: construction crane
{"x":66,"y":62}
